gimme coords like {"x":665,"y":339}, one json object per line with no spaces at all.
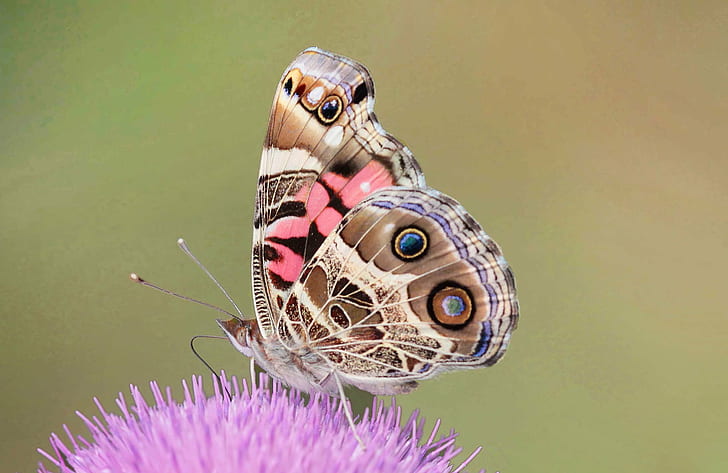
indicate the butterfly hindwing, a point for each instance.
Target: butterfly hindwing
{"x":406,"y":286}
{"x":324,"y":153}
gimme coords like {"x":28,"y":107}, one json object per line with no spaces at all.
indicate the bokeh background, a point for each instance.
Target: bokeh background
{"x":589,"y":139}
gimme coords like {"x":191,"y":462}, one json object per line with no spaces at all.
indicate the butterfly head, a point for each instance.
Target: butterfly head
{"x":239,"y":331}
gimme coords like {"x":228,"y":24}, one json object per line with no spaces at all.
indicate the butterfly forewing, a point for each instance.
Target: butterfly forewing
{"x":324,"y":153}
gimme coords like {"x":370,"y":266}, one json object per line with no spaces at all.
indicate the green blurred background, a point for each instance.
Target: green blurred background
{"x":589,"y":138}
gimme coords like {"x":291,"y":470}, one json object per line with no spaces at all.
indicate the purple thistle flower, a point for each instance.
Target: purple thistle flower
{"x":259,"y":429}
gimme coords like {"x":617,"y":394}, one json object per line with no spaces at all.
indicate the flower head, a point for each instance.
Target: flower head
{"x":258,"y":429}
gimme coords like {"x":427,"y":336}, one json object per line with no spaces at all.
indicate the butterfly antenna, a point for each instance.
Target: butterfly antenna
{"x":186,"y":249}
{"x":135,"y":277}
{"x":204,"y":362}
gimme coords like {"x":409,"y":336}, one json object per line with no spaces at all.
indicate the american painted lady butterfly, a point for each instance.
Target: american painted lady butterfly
{"x":362,"y":275}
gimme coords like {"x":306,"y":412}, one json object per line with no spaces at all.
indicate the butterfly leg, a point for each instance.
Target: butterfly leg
{"x":346,"y":405}
{"x":252,"y":373}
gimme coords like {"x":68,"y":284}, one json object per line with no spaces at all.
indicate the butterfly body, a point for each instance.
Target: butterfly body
{"x":362,"y":274}
{"x":300,"y":367}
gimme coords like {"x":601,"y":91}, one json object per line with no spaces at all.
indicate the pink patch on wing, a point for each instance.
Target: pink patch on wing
{"x":334,"y":181}
{"x":327,"y":220}
{"x":288,"y":227}
{"x":288,"y":265}
{"x":317,"y":200}
{"x":372,"y":177}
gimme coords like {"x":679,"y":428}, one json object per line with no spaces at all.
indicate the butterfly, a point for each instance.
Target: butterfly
{"x":362,"y":274}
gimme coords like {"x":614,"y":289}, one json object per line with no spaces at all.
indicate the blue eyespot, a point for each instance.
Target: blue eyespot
{"x":454,"y":306}
{"x":410,"y":243}
{"x":451,"y":305}
{"x":330,"y":109}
